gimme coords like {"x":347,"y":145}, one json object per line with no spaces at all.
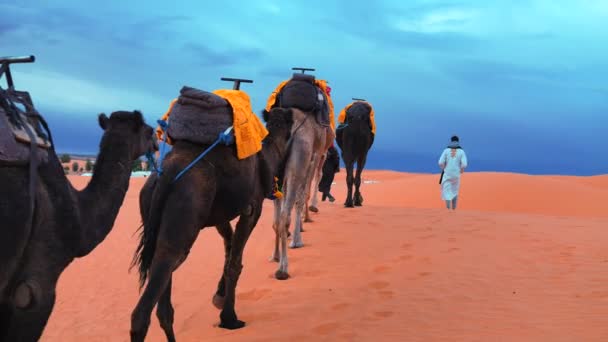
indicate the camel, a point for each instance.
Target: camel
{"x":215,"y":191}
{"x":65,"y":224}
{"x":355,"y":140}
{"x":307,"y":147}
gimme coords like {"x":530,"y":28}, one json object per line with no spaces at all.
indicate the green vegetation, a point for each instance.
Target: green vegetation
{"x":88,"y":166}
{"x":136,"y":165}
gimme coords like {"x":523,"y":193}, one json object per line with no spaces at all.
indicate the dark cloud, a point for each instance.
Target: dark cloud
{"x":6,"y":27}
{"x":209,"y":56}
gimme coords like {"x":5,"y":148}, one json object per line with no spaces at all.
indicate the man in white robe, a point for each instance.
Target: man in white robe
{"x":453,"y":161}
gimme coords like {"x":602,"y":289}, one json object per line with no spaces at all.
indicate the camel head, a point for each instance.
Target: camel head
{"x":279,"y":122}
{"x":128,"y":128}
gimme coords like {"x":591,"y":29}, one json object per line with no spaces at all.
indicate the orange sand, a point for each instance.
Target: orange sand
{"x":523,"y":260}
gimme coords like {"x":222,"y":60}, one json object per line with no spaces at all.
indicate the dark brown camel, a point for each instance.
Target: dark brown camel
{"x":215,"y":191}
{"x":355,"y":140}
{"x":66,"y":223}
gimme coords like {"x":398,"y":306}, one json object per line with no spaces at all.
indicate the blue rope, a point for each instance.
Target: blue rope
{"x":226,"y":138}
{"x":163,"y":146}
{"x":151,"y":162}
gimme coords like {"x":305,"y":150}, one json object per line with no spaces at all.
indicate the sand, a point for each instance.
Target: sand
{"x":523,"y":259}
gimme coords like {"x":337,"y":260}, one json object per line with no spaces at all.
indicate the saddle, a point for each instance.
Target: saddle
{"x":21,"y":130}
{"x":199,"y":116}
{"x":301,"y":92}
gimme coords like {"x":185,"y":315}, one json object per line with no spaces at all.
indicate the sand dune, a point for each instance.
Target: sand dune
{"x":525,"y":259}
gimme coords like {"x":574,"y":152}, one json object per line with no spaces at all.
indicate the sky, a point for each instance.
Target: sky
{"x":523,"y":83}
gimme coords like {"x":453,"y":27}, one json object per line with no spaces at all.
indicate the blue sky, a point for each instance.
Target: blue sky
{"x":522,"y":82}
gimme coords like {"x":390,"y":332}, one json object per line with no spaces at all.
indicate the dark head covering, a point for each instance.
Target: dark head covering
{"x":454,"y":142}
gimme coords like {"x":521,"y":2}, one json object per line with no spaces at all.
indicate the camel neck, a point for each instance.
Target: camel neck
{"x":101,"y":200}
{"x":272,"y":153}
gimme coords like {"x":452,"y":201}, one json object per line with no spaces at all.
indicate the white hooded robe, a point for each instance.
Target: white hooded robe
{"x":452,"y":163}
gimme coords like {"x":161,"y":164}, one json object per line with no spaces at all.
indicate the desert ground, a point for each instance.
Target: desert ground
{"x":524,"y":258}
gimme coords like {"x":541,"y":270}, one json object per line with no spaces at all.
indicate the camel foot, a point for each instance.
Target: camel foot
{"x":218,"y":301}
{"x":308,"y":220}
{"x":313,"y":209}
{"x":349,"y":203}
{"x":296,"y":245}
{"x":280,"y":275}
{"x":358,"y":200}
{"x":232,"y":325}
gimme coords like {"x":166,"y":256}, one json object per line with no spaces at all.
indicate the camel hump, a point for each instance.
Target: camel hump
{"x":359,"y":109}
{"x":199,"y":116}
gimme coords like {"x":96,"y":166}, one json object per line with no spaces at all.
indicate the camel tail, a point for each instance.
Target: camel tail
{"x":149,"y":229}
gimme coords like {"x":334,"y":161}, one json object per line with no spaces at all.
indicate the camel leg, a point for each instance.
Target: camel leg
{"x":165,"y":312}
{"x":172,"y":247}
{"x":360,"y":166}
{"x":225,"y":230}
{"x":296,"y":241}
{"x":282,"y":229}
{"x":315,"y":184}
{"x":275,"y":227}
{"x":349,"y":185}
{"x":244,"y":227}
{"x":311,"y":191}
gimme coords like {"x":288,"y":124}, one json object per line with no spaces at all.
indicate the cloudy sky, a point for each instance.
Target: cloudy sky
{"x":522,"y":82}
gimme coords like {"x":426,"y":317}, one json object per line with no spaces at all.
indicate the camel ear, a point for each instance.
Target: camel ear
{"x":139,"y":118}
{"x":104,"y":122}
{"x":265,"y":115}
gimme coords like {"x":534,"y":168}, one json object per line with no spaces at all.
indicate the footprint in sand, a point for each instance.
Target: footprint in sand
{"x":254,"y":295}
{"x":191,"y":321}
{"x":349,"y":336}
{"x":383,"y":314}
{"x":386,"y":294}
{"x":424,"y":274}
{"x":405,"y":257}
{"x":425,"y":260}
{"x":426,"y":237}
{"x":451,"y":250}
{"x":379,"y":285}
{"x":381,"y":269}
{"x":325,"y":329}
{"x":340,"y":306}
{"x":406,"y":246}
{"x":313,"y":273}
{"x":599,"y":294}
